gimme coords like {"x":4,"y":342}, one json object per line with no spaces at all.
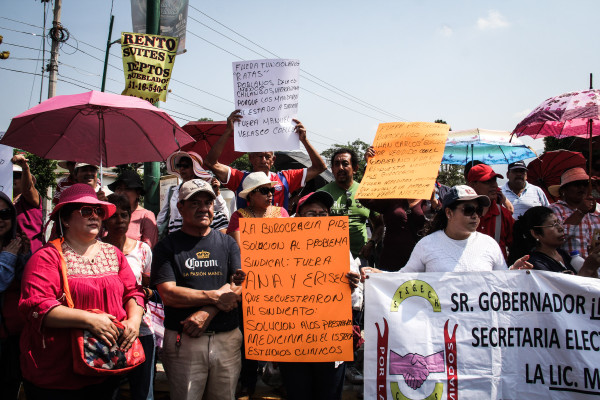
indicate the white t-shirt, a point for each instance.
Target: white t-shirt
{"x":439,"y":253}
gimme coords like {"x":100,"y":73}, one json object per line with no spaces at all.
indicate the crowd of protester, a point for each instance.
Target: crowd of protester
{"x":113,"y":255}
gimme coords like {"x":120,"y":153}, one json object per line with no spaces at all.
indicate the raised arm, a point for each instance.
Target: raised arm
{"x":28,"y":190}
{"x":212,"y":158}
{"x":317,"y":165}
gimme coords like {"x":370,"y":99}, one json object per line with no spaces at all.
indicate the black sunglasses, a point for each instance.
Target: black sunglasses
{"x":182,"y":166}
{"x":264,"y":190}
{"x":88,"y":211}
{"x":469,"y":210}
{"x":6,"y":214}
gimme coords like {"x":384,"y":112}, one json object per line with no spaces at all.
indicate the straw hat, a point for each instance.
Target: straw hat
{"x":85,"y":194}
{"x":197,"y":161}
{"x":254,"y":180}
{"x":570,"y":175}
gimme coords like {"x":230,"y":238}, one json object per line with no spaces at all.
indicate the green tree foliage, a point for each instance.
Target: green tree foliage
{"x":242,"y":163}
{"x":449,"y":174}
{"x":43,"y":170}
{"x":358,"y":146}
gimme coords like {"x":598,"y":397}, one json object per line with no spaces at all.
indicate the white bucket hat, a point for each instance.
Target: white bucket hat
{"x":254,"y":180}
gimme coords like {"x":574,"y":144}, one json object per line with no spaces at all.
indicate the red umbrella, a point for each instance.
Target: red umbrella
{"x":206,"y":133}
{"x":97,"y":128}
{"x":547,"y":169}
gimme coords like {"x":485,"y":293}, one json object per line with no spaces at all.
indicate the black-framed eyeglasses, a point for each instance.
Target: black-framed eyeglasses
{"x":348,"y":199}
{"x":6,"y":214}
{"x":556,"y":225}
{"x":182,"y":166}
{"x":264,"y":190}
{"x":469,"y":209}
{"x":88,"y":211}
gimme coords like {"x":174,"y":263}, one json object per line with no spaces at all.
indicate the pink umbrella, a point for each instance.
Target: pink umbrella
{"x":570,"y":114}
{"x":97,"y":128}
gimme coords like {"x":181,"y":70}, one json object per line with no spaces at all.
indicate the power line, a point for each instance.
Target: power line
{"x":353,"y":98}
{"x":24,"y":47}
{"x":21,"y":22}
{"x":14,"y":30}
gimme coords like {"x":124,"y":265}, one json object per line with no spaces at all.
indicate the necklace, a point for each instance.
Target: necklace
{"x":254,"y":215}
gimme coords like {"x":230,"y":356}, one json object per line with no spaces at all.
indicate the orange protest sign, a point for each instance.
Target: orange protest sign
{"x":406,"y":163}
{"x":296,"y":299}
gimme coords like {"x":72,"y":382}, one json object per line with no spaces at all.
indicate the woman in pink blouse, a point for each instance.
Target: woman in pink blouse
{"x":99,"y":277}
{"x":143,"y":222}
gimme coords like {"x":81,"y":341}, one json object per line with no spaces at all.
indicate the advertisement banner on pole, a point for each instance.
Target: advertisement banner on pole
{"x":147,"y":62}
{"x":266,"y":91}
{"x":173,"y":19}
{"x":489,"y":335}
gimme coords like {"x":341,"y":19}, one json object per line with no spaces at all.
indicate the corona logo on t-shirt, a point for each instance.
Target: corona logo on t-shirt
{"x":203,"y":254}
{"x":191,"y":263}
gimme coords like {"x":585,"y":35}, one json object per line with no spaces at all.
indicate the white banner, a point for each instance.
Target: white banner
{"x":492,"y":335}
{"x":267,"y":93}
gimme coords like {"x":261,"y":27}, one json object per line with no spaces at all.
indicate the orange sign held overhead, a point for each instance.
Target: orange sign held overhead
{"x":296,"y":300}
{"x":406,"y":163}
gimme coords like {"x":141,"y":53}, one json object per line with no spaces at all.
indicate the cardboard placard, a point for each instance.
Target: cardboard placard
{"x":406,"y":163}
{"x":296,"y":299}
{"x":266,"y":91}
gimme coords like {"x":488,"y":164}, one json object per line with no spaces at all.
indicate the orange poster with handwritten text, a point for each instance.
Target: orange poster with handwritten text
{"x":296,"y":299}
{"x":406,"y":163}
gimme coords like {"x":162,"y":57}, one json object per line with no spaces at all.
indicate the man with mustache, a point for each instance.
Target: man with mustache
{"x":521,"y":194}
{"x":288,"y":181}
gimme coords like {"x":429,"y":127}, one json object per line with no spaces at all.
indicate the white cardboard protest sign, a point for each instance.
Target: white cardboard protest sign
{"x":266,"y":91}
{"x":489,"y":335}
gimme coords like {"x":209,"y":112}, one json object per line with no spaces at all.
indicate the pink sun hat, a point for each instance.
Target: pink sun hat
{"x":84,"y":194}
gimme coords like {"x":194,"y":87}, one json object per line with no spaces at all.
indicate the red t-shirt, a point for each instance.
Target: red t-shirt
{"x":295,"y":177}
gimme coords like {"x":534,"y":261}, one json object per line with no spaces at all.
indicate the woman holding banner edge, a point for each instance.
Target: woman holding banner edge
{"x":452,"y":243}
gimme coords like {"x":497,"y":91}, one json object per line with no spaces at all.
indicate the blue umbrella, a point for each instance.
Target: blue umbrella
{"x":489,"y":147}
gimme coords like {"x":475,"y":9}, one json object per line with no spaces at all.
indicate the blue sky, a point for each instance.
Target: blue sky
{"x":476,"y":63}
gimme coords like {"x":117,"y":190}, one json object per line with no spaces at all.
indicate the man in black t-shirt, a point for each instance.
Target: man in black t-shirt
{"x":192,"y":268}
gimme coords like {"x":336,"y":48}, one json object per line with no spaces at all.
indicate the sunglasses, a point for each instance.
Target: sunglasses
{"x":264,"y":190}
{"x":182,"y":166}
{"x":6,"y":214}
{"x":88,"y":211}
{"x":469,"y":210}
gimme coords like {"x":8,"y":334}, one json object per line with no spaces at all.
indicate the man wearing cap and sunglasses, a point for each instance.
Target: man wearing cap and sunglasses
{"x":194,"y":270}
{"x":497,"y":220}
{"x":519,"y":192}
{"x":576,"y":209}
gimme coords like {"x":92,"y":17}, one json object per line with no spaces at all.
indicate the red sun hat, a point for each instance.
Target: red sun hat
{"x":84,"y":194}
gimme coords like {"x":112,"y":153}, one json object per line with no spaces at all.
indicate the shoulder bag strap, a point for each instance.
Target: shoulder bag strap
{"x":57,"y":243}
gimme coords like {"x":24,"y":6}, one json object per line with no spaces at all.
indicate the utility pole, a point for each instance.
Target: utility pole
{"x":53,"y":66}
{"x":152,"y":169}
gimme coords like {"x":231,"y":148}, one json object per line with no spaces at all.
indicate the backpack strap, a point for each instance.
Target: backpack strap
{"x":57,"y":243}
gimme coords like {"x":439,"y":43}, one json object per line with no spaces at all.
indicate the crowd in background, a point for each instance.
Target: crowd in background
{"x":112,"y":255}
